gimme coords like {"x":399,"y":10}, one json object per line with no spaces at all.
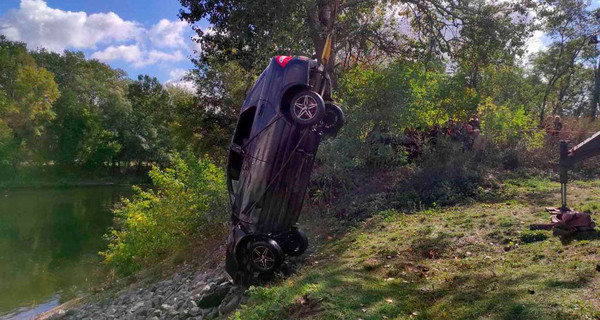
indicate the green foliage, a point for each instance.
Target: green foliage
{"x":26,"y":96}
{"x":250,"y":32}
{"x":445,"y":174}
{"x":62,"y":111}
{"x":209,"y":122}
{"x":188,"y":201}
{"x":506,"y":127}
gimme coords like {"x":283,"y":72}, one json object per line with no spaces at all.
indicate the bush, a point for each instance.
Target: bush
{"x":188,"y":202}
{"x":444,"y":174}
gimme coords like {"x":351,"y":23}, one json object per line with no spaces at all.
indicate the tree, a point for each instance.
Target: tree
{"x":26,"y":96}
{"x":494,"y":34}
{"x":91,"y":112}
{"x":210,"y":119}
{"x":146,"y":137}
{"x":250,"y":32}
{"x":567,"y":24}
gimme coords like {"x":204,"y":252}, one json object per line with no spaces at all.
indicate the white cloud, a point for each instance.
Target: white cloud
{"x":168,"y":33}
{"x":177,"y":74}
{"x":137,"y":57}
{"x":155,"y":56}
{"x":41,"y":26}
{"x":177,"y":80}
{"x":535,"y":43}
{"x":129,"y":53}
{"x":111,"y":37}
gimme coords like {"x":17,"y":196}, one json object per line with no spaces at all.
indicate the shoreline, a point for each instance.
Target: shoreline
{"x":46,"y":182}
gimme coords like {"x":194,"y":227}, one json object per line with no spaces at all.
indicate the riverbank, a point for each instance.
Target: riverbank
{"x":186,"y":291}
{"x":469,"y":261}
{"x":52,"y":178}
{"x":190,"y":293}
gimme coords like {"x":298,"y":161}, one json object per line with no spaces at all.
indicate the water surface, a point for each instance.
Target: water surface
{"x":49,"y":243}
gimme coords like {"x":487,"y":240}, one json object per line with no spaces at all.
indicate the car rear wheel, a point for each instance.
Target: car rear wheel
{"x":307,"y":108}
{"x":296,"y":243}
{"x":265,"y":256}
{"x":333,"y":119}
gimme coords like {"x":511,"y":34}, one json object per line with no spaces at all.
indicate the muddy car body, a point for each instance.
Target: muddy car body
{"x":270,"y":161}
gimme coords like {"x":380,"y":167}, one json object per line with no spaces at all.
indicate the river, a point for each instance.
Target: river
{"x":49,"y":244}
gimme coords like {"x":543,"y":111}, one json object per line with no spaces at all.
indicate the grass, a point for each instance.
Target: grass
{"x":473,"y":261}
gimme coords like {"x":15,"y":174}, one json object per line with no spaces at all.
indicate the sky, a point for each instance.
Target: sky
{"x":138,"y":36}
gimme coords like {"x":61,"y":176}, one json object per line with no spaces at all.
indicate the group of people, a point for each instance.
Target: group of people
{"x":467,"y":133}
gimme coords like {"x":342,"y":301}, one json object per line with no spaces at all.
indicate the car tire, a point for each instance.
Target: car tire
{"x":296,"y":243}
{"x":306,"y":108}
{"x":333,"y":120}
{"x":265,"y":256}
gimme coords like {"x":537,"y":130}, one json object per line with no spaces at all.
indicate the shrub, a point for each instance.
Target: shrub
{"x":187,"y":202}
{"x":444,"y":174}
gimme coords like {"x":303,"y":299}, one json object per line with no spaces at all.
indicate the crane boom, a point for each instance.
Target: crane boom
{"x":569,"y":157}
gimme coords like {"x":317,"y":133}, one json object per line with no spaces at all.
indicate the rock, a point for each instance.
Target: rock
{"x":230,"y":305}
{"x":184,"y":314}
{"x":71,"y":313}
{"x":179,"y":304}
{"x":136,"y":307}
{"x":173,"y":314}
{"x":186,"y":295}
{"x":212,"y":314}
{"x":156,"y":301}
{"x":214,"y":298}
{"x":142,"y":312}
{"x":205,"y":312}
{"x":191,"y":304}
{"x":194,"y":311}
{"x":165,"y":307}
{"x":177,"y":278}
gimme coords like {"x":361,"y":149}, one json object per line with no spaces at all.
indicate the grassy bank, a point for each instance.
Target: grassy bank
{"x":471,"y":261}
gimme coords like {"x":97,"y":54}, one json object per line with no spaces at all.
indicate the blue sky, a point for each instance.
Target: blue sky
{"x":138,"y":36}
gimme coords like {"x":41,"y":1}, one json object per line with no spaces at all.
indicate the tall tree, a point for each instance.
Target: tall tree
{"x":249,"y":31}
{"x":26,"y":96}
{"x":567,"y":23}
{"x":91,"y":112}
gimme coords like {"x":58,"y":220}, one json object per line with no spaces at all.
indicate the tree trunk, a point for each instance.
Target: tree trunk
{"x":595,"y":92}
{"x":543,"y":107}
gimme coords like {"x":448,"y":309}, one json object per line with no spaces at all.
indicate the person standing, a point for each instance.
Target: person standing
{"x":558,"y":125}
{"x":475,"y":122}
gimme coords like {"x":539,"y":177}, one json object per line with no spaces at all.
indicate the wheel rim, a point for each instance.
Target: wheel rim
{"x":305,"y":108}
{"x":263,"y":258}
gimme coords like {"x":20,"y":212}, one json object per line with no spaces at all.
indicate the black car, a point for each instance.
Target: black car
{"x":270,"y":161}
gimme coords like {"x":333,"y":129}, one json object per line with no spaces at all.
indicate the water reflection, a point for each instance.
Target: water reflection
{"x":49,"y":239}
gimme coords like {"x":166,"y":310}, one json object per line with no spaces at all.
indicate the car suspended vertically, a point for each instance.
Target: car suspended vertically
{"x":272,"y":152}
